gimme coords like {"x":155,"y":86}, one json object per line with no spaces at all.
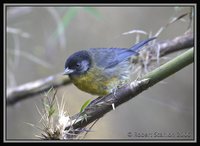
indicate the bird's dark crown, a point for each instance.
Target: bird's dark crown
{"x":79,"y":62}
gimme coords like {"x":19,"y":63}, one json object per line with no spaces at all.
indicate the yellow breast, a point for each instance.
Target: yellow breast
{"x":95,"y":82}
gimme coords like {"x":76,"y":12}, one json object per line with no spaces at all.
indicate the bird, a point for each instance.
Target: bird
{"x":100,"y":71}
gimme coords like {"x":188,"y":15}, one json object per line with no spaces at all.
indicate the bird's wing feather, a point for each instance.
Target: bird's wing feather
{"x":139,"y":45}
{"x":109,"y":57}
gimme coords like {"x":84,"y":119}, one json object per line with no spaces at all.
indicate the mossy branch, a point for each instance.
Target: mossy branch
{"x":170,"y":67}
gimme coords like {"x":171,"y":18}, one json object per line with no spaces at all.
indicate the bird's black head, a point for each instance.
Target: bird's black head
{"x":78,"y":63}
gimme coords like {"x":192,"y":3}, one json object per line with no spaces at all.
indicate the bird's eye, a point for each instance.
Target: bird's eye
{"x":78,"y":65}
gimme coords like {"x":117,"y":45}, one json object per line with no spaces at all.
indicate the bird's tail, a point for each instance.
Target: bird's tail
{"x":139,"y":45}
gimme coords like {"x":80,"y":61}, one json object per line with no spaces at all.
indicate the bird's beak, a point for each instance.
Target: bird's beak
{"x":68,"y":71}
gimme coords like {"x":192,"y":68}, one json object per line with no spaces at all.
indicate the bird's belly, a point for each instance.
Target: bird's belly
{"x":95,"y":83}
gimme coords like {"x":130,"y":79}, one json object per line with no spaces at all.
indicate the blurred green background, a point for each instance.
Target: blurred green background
{"x":39,"y":39}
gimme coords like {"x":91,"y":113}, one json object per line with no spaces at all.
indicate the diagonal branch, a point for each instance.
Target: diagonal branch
{"x":102,"y":105}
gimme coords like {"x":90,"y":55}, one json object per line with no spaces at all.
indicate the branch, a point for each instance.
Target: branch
{"x":178,"y":43}
{"x":102,"y":105}
{"x":27,"y":90}
{"x":19,"y":93}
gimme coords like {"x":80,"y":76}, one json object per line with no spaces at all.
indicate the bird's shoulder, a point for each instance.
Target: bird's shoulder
{"x":106,"y":57}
